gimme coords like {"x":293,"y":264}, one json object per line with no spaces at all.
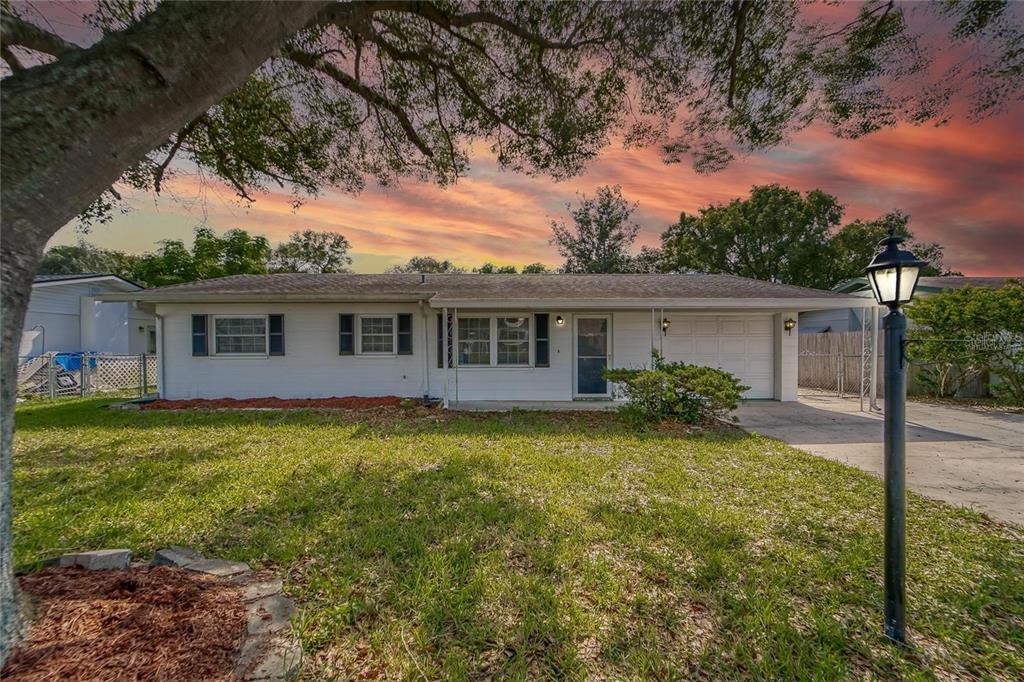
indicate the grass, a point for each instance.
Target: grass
{"x":530,"y":545}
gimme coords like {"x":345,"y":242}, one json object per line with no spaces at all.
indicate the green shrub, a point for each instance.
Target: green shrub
{"x":677,"y":391}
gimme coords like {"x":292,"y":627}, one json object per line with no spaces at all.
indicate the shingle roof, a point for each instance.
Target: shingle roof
{"x":960,"y":282}
{"x":485,"y":287}
{"x":77,"y":275}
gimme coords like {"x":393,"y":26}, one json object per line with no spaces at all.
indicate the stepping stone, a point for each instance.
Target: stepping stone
{"x":269,"y":659}
{"x":99,"y":560}
{"x":280,"y":659}
{"x":218,"y":567}
{"x":261,"y":589}
{"x":175,"y":556}
{"x":270,"y":614}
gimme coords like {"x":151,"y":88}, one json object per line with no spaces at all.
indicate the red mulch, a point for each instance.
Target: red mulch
{"x":138,"y":624}
{"x":349,"y":403}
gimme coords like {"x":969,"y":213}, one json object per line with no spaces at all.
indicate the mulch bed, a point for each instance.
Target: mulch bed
{"x":348,"y":403}
{"x":155,"y":623}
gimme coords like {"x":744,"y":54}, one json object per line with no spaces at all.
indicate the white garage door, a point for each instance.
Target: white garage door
{"x":739,"y":344}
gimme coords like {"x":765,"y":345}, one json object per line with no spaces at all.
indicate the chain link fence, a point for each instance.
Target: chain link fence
{"x":60,"y":375}
{"x":839,"y":363}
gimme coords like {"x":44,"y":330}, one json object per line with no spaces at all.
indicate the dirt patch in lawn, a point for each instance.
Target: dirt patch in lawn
{"x":155,"y":623}
{"x":348,"y":403}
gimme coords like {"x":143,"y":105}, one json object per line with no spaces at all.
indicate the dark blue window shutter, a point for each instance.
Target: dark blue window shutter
{"x":541,"y":351}
{"x":276,"y":334}
{"x":346,"y":334}
{"x":405,"y":334}
{"x":200,"y":344}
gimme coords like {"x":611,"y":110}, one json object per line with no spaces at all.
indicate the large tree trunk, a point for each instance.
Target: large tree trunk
{"x":71,"y":128}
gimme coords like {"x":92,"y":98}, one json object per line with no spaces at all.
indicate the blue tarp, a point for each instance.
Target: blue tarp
{"x":72,"y":362}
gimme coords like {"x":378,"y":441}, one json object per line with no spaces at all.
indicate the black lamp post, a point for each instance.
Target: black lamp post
{"x":893,"y":274}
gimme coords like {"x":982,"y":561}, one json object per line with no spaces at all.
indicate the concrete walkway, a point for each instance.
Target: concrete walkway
{"x":965,"y":456}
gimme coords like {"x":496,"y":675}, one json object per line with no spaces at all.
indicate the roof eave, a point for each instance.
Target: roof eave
{"x":798,"y":304}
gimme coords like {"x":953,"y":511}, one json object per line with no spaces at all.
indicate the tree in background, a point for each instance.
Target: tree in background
{"x":311,"y":251}
{"x":601,"y":234}
{"x":780,"y":235}
{"x":309,"y":94}
{"x":237,"y":252}
{"x":84,"y":257}
{"x":775,"y":235}
{"x":857,"y":243}
{"x":961,"y":333}
{"x":426,"y":264}
{"x":492,"y":269}
{"x":536,"y":269}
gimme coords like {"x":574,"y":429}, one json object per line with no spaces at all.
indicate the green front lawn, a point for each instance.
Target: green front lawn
{"x":530,"y":545}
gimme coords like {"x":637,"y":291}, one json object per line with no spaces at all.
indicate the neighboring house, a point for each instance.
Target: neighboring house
{"x":510,"y":337}
{"x":65,"y":316}
{"x":849,"y":319}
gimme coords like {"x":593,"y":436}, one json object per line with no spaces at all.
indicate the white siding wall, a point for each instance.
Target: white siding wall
{"x":75,"y":321}
{"x":312,"y":366}
{"x":62,"y":333}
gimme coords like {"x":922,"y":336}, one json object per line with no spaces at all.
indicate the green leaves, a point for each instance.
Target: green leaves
{"x":961,"y":333}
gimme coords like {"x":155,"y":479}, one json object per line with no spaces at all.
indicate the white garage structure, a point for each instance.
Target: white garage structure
{"x":740,"y":344}
{"x":509,"y":337}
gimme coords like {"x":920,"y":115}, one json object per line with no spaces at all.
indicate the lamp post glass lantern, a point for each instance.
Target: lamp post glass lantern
{"x":893,"y":274}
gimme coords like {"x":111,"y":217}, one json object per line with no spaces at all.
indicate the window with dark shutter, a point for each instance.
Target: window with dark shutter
{"x":346,"y":335}
{"x":541,"y":352}
{"x":440,"y":341}
{"x":199,"y":335}
{"x":276,"y":334}
{"x":405,"y":333}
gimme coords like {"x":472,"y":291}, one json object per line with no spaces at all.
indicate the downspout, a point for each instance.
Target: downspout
{"x":426,"y":353}
{"x":159,"y":354}
{"x":455,"y":327}
{"x":444,"y":351}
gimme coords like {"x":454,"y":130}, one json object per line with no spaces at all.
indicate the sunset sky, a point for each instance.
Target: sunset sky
{"x":962,"y":184}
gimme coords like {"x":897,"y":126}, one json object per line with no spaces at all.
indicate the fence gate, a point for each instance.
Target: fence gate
{"x":838,"y":363}
{"x":57,"y":375}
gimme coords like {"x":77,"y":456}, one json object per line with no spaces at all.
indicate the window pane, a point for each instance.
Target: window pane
{"x":513,"y":341}
{"x":240,"y":335}
{"x":592,"y":337}
{"x":377,"y":334}
{"x":474,"y":341}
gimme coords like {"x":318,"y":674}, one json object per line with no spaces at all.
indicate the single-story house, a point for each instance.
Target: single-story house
{"x":509,"y":337}
{"x":65,"y":315}
{"x":850,"y":319}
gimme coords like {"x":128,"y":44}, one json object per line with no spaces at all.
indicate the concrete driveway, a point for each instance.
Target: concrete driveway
{"x":966,"y":456}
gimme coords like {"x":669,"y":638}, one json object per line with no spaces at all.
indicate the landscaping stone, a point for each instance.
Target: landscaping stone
{"x":261,"y":589}
{"x":270,"y":614}
{"x":98,"y":560}
{"x":282,"y":662}
{"x":176,"y":556}
{"x":219,"y":567}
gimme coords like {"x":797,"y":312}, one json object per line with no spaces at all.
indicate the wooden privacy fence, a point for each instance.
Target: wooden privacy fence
{"x":836,"y":361}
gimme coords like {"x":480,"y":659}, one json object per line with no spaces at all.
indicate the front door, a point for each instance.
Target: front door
{"x":591,"y":356}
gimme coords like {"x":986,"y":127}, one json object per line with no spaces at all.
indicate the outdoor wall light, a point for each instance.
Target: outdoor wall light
{"x":788,"y":325}
{"x":559,"y":321}
{"x":893,"y":275}
{"x":665,"y":322}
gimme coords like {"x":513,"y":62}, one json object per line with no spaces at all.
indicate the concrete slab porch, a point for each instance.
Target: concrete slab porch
{"x":966,"y":456}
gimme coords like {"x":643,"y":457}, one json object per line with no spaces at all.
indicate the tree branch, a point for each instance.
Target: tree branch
{"x":740,"y":8}
{"x":158,"y":175}
{"x":10,"y":58}
{"x":371,"y":97}
{"x":16,"y":31}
